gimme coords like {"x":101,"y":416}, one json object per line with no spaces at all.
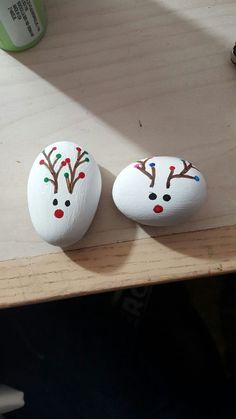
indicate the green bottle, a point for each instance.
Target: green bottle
{"x":22,"y":24}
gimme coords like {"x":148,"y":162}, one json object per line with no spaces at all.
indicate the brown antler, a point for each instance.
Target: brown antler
{"x":141,"y":166}
{"x":71,"y":177}
{"x":51,"y":167}
{"x":182,"y":174}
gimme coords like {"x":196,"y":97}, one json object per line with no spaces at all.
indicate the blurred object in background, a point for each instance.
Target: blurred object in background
{"x":22,"y":24}
{"x":10,"y":399}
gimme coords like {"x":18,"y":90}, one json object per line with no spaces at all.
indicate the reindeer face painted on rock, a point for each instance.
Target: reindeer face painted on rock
{"x":63,"y":191}
{"x":55,"y":165}
{"x":159,"y":190}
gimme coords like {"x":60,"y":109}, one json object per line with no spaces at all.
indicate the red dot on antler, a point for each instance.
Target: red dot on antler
{"x":81,"y":175}
{"x":41,"y":161}
{"x":78,"y":148}
{"x":63,"y":163}
{"x":67,"y":160}
{"x":172,"y":167}
{"x":54,"y":148}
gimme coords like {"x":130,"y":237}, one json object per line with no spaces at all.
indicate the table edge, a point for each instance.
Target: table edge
{"x":110,"y":267}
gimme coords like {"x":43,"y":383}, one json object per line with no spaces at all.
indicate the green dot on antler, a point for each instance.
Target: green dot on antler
{"x":58,"y":156}
{"x":86,"y":159}
{"x":66,"y":175}
{"x":46,"y":179}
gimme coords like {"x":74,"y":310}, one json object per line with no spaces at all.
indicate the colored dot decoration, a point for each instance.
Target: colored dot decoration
{"x":137,"y":166}
{"x":172,"y":168}
{"x":152,"y":164}
{"x":197,"y":178}
{"x":51,"y":164}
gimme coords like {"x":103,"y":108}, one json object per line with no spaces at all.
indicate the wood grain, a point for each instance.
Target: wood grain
{"x":126,"y":79}
{"x":104,"y":268}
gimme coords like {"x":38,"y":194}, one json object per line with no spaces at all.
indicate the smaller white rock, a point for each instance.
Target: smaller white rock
{"x":64,"y":188}
{"x":159,"y":191}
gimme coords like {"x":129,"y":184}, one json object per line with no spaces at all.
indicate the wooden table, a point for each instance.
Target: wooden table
{"x":127,"y":79}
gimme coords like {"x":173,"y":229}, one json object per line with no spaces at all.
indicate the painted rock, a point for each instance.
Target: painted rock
{"x":64,"y":188}
{"x":159,"y":191}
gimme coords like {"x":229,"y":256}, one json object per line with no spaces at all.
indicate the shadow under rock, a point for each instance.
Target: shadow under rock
{"x":101,"y":235}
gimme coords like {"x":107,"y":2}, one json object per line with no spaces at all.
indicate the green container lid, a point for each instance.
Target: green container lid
{"x":22,"y":24}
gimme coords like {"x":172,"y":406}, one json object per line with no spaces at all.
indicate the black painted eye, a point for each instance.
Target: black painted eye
{"x":152,"y":196}
{"x":67,"y":203}
{"x":166,"y":197}
{"x":55,"y":202}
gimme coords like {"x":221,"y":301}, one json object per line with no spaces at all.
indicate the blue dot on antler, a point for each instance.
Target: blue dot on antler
{"x":197,"y":178}
{"x":152,"y":164}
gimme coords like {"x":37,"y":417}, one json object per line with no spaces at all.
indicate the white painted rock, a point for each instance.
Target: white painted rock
{"x":64,"y":188}
{"x":159,"y":191}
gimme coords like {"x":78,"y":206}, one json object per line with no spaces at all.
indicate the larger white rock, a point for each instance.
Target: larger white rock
{"x":64,"y":188}
{"x":159,"y":191}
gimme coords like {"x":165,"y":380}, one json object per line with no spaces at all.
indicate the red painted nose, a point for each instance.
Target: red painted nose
{"x":59,"y":213}
{"x":158,"y":209}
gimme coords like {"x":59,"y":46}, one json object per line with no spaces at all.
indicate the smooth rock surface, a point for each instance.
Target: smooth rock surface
{"x":159,"y":191}
{"x":64,"y":188}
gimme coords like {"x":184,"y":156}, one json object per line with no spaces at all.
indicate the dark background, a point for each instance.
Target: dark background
{"x":161,"y":352}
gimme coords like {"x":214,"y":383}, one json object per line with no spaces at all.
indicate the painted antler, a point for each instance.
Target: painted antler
{"x":141,"y":166}
{"x":51,"y":167}
{"x":71,"y":177}
{"x":182,"y":174}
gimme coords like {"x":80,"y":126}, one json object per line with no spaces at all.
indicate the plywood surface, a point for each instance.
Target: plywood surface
{"x":126,"y":79}
{"x":109,"y":267}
